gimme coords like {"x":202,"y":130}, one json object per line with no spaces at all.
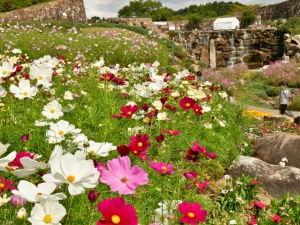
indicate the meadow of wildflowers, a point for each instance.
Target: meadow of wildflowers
{"x":85,"y":139}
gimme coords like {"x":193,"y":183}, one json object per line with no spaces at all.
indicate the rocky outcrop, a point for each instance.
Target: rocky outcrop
{"x":68,"y":10}
{"x":285,"y":9}
{"x":273,"y":148}
{"x":276,"y":180}
{"x":292,"y":44}
{"x":255,"y":48}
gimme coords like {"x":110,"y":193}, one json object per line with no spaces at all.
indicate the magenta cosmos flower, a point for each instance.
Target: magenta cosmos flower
{"x":139,"y":143}
{"x":187,"y":103}
{"x":114,"y":211}
{"x":123,"y":178}
{"x":162,"y":168}
{"x":192,"y":213}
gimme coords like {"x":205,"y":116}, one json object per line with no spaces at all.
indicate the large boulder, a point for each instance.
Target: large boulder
{"x":275,"y":179}
{"x":274,"y":147}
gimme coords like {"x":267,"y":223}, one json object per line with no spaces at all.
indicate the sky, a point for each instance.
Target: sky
{"x":109,"y":8}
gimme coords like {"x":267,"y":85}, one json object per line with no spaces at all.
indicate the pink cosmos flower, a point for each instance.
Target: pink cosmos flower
{"x":276,"y":218}
{"x":259,"y":204}
{"x":192,"y":213}
{"x":162,"y":168}
{"x":190,"y":174}
{"x":115,"y":211}
{"x":203,"y":151}
{"x":123,"y":178}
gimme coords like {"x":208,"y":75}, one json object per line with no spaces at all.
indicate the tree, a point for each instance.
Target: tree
{"x":162,"y":14}
{"x":140,"y":9}
{"x":194,"y":20}
{"x":248,"y":16}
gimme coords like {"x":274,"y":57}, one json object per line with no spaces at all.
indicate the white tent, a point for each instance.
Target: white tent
{"x":226,"y":23}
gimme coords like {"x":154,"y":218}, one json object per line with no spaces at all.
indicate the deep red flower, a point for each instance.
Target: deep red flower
{"x":259,"y":204}
{"x":93,"y":196}
{"x":107,"y":77}
{"x":190,"y":175}
{"x":187,"y":103}
{"x":192,"y":213}
{"x":276,"y":218}
{"x":115,"y":211}
{"x":253,"y":222}
{"x":198,"y":109}
{"x":118,"y":81}
{"x":6,"y":185}
{"x":170,"y":107}
{"x":128,"y":110}
{"x":191,"y":155}
{"x":162,"y":168}
{"x":17,"y":162}
{"x":171,"y":132}
{"x":160,"y":138}
{"x":139,"y":143}
{"x":255,"y":182}
{"x":207,"y":98}
{"x":163,"y":100}
{"x":123,"y":150}
{"x":145,"y":107}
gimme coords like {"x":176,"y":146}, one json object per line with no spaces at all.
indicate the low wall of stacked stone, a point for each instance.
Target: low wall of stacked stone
{"x":67,"y":10}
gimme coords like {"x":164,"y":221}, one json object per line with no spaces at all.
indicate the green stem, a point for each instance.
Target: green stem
{"x":69,"y":210}
{"x":162,"y":192}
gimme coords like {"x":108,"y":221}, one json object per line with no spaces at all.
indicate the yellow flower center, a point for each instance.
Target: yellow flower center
{"x":47,"y":218}
{"x":193,"y":156}
{"x":40,"y":77}
{"x":92,"y":152}
{"x":140,"y":144}
{"x":52,"y":111}
{"x":71,"y":178}
{"x":4,"y":72}
{"x":187,"y":104}
{"x":1,"y":185}
{"x":197,"y":110}
{"x":115,"y":219}
{"x":25,"y":93}
{"x":39,"y":193}
{"x":162,"y":219}
{"x":164,"y":169}
{"x":61,"y":132}
{"x":190,"y":214}
{"x":124,"y":179}
{"x":129,"y":113}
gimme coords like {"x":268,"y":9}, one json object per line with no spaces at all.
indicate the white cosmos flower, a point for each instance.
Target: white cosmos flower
{"x":53,"y":110}
{"x":22,"y":213}
{"x":157,"y":104}
{"x":3,"y":92}
{"x":42,"y":74}
{"x":7,"y":159}
{"x":206,"y":108}
{"x":58,"y":131}
{"x":99,"y":148}
{"x":162,"y":116}
{"x":3,"y":148}
{"x":16,"y":51}
{"x":24,"y":90}
{"x":38,"y":193}
{"x":223,"y":94}
{"x":4,"y":199}
{"x":68,"y":95}
{"x":208,"y":125}
{"x":47,"y":213}
{"x":6,"y":69}
{"x":75,"y":171}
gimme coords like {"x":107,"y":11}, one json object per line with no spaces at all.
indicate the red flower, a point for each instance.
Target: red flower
{"x":115,"y":211}
{"x":276,"y":218}
{"x":139,"y":143}
{"x":192,"y":213}
{"x":25,"y":138}
{"x":253,"y":222}
{"x":162,"y":168}
{"x":259,"y":204}
{"x":201,"y":186}
{"x":171,"y":132}
{"x":255,"y":182}
{"x":123,"y":150}
{"x":6,"y":185}
{"x":170,"y":107}
{"x":160,"y":138}
{"x":191,"y":155}
{"x":107,"y":77}
{"x":128,"y":110}
{"x":190,"y":175}
{"x":17,"y":162}
{"x":198,"y":109}
{"x":187,"y":103}
{"x":163,"y":100}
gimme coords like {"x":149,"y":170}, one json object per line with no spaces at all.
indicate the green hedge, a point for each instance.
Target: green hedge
{"x":9,"y":5}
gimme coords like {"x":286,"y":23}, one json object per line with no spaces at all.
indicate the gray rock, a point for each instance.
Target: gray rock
{"x":274,"y":147}
{"x":276,"y":180}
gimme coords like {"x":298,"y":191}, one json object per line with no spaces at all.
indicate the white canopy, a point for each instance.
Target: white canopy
{"x":226,"y":23}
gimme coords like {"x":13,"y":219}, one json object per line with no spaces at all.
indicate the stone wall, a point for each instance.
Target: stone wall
{"x":255,"y":48}
{"x":284,"y":10}
{"x":68,"y":10}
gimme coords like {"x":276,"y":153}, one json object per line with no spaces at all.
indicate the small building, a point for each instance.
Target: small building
{"x":229,"y":23}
